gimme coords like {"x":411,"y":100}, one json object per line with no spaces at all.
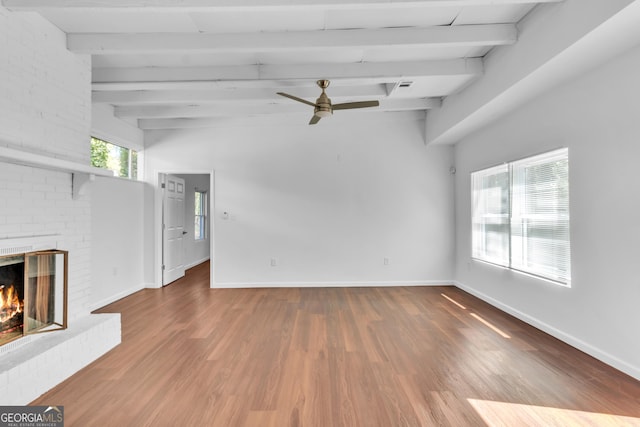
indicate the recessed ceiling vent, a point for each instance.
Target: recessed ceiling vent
{"x":399,"y":88}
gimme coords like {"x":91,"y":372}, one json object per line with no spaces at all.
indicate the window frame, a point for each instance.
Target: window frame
{"x":557,"y":219}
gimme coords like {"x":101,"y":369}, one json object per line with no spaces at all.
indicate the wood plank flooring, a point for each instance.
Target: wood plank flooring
{"x":406,"y":356}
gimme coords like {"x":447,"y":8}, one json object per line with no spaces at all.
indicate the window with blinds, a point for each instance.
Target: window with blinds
{"x":520,"y":216}
{"x":490,"y":193}
{"x":200,"y":215}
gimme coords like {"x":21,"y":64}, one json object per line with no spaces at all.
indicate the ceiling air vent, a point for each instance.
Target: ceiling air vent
{"x":405,"y":84}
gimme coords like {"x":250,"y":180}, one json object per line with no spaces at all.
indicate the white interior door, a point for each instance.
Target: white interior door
{"x":173,"y":229}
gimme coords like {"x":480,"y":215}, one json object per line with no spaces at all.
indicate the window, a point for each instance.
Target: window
{"x":490,"y":192}
{"x":520,"y":216}
{"x":123,"y":161}
{"x":200,"y":221}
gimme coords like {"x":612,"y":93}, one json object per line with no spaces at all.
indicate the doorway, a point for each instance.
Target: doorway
{"x":185,"y":225}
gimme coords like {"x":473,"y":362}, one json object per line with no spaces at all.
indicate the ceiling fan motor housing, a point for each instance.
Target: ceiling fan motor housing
{"x":323,"y":106}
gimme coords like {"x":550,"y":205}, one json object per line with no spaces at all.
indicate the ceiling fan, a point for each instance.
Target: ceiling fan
{"x":324,"y":108}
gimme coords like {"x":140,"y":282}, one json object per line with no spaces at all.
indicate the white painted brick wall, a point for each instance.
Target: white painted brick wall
{"x":45,"y":108}
{"x":45,"y":90}
{"x":27,"y":210}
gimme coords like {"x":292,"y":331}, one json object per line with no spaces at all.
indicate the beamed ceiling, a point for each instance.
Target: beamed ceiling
{"x":167,"y":64}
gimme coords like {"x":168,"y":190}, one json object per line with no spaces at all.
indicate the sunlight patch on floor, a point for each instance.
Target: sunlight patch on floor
{"x":501,"y":414}
{"x":454,"y":301}
{"x":488,"y":324}
{"x":491,"y":326}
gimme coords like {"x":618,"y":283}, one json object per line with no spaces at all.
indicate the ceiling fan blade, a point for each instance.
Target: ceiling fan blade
{"x":315,"y":119}
{"x":360,"y":104}
{"x":295,"y":98}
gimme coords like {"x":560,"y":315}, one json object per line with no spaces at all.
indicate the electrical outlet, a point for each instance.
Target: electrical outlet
{"x":387,"y":261}
{"x":274,"y":262}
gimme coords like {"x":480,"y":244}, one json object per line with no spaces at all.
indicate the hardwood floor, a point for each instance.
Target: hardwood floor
{"x":406,"y":356}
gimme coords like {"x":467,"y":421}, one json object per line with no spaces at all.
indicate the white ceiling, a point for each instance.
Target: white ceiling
{"x":185,"y":63}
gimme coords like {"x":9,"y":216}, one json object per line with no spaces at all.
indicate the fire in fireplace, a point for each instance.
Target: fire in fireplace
{"x":33,"y":293}
{"x":10,"y":303}
{"x":11,"y":317}
{"x":11,"y":298}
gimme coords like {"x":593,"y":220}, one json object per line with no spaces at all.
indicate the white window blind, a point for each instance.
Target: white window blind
{"x":490,"y":198}
{"x":540,"y":216}
{"x":532,"y":197}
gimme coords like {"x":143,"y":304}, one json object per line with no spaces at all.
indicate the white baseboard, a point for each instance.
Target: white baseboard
{"x":591,"y":350}
{"x":115,"y":297}
{"x":240,"y":285}
{"x":193,"y":264}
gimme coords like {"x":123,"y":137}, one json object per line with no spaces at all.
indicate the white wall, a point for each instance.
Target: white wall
{"x":117,"y":208}
{"x":596,"y":116}
{"x":118,"y":264}
{"x":195,"y":251}
{"x":327,"y":202}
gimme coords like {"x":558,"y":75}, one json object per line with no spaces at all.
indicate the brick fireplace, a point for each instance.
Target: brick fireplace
{"x":45,"y":129}
{"x":38,"y":347}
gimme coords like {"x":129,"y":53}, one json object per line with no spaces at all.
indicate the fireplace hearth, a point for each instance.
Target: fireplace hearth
{"x":40,"y":356}
{"x":33,"y":293}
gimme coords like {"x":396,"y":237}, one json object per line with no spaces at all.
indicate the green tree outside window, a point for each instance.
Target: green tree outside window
{"x":122,"y":161}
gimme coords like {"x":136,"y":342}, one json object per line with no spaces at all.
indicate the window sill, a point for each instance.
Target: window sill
{"x":524,"y":273}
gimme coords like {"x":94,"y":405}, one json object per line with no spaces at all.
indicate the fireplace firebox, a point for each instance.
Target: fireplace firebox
{"x":33,"y":293}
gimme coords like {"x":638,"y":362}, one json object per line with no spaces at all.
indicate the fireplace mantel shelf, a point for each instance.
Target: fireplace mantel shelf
{"x":46,"y":162}
{"x":82,"y":174}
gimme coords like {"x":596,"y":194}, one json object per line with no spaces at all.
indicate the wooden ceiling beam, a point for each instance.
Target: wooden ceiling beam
{"x":300,"y":118}
{"x":291,"y":41}
{"x":256,"y":76}
{"x":234,"y":109}
{"x":214,"y":5}
{"x":230,"y":95}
